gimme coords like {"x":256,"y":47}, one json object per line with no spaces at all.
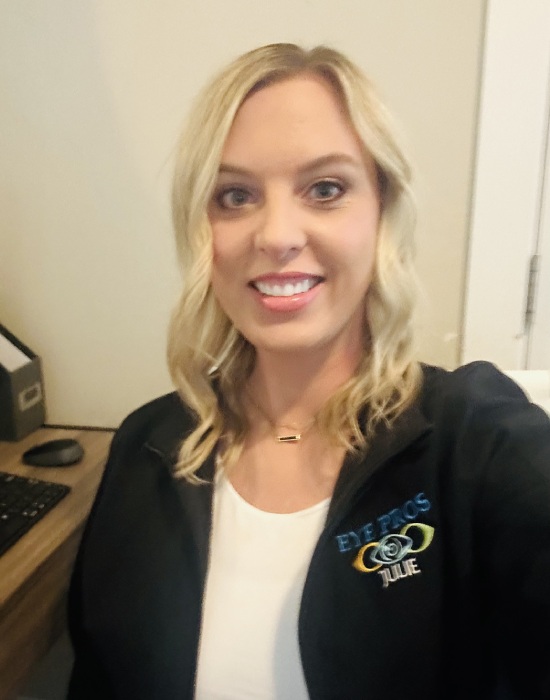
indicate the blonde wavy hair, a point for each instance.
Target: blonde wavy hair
{"x":209,"y":360}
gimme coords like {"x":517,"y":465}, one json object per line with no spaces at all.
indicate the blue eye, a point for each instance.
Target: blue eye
{"x":232,"y":198}
{"x":326,"y":190}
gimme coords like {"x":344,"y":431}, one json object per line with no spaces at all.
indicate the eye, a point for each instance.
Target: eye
{"x":326,"y":191}
{"x":233,"y":198}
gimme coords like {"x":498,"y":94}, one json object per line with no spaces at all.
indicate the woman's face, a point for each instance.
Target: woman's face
{"x":294,"y":220}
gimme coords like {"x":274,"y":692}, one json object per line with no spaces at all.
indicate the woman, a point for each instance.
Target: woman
{"x":313,"y":514}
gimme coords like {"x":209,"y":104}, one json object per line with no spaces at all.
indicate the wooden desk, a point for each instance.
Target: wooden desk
{"x":35,"y":572}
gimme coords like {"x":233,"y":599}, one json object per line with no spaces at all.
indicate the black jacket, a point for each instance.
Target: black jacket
{"x":430,"y":580}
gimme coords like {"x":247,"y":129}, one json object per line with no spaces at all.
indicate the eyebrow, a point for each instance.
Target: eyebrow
{"x":312,"y":165}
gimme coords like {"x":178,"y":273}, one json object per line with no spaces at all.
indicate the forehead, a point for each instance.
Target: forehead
{"x":295,"y":119}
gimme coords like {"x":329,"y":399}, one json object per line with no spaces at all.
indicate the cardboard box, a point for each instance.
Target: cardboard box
{"x":22,"y":407}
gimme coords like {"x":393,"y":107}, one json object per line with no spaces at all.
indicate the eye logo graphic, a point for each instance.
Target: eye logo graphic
{"x":391,"y":549}
{"x":387,"y":557}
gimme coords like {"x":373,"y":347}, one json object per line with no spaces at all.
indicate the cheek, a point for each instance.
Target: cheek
{"x":227,"y":265}
{"x":217,"y":245}
{"x":228,"y":247}
{"x":219,"y":261}
{"x":221,"y":251}
{"x":358,"y":239}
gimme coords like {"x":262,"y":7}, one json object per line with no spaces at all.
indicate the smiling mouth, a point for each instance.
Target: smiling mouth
{"x":286,"y":289}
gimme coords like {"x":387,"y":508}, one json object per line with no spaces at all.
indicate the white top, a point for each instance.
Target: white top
{"x":258,"y":564}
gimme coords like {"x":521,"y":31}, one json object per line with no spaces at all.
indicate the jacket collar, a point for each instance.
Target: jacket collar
{"x":178,"y":421}
{"x":168,"y":433}
{"x":196,"y":499}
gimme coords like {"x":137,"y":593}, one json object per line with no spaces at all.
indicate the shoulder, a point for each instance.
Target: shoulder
{"x":474,"y":384}
{"x":479,"y":408}
{"x":480,"y":415}
{"x":477,"y":391}
{"x":161,"y":424}
{"x":142,"y":452}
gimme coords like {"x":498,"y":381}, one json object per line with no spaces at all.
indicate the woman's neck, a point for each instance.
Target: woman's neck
{"x":295,"y":386}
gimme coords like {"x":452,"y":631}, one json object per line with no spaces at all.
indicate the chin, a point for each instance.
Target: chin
{"x":302,"y":337}
{"x":281,"y":342}
{"x":293,"y":343}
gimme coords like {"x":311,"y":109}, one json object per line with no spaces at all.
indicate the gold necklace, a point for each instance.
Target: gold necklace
{"x":295,"y":436}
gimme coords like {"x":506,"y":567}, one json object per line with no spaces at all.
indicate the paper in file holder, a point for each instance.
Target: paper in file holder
{"x":22,"y":408}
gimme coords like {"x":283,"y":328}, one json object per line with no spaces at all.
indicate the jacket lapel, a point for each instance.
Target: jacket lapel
{"x":358,"y":468}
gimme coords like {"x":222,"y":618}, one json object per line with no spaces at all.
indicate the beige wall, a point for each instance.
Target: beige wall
{"x":93,"y":95}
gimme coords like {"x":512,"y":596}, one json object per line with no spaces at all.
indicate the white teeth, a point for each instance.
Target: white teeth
{"x":285,"y":290}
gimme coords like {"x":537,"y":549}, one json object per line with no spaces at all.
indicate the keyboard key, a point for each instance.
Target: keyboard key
{"x":23,"y":502}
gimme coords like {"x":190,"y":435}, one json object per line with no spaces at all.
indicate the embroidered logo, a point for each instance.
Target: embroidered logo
{"x":389,"y":556}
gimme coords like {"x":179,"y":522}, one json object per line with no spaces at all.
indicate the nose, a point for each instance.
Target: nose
{"x":280,"y":233}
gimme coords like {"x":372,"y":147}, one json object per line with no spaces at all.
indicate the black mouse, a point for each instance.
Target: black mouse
{"x":54,"y":453}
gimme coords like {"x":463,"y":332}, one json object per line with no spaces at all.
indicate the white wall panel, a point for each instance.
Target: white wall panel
{"x":509,"y":174}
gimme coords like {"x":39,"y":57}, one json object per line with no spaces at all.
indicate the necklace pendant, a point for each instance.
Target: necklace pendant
{"x":289,"y":438}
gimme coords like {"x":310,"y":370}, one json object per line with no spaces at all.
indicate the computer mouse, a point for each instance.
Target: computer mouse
{"x":54,"y":453}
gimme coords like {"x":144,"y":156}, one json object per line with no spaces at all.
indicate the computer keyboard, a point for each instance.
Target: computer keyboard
{"x":23,"y":502}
